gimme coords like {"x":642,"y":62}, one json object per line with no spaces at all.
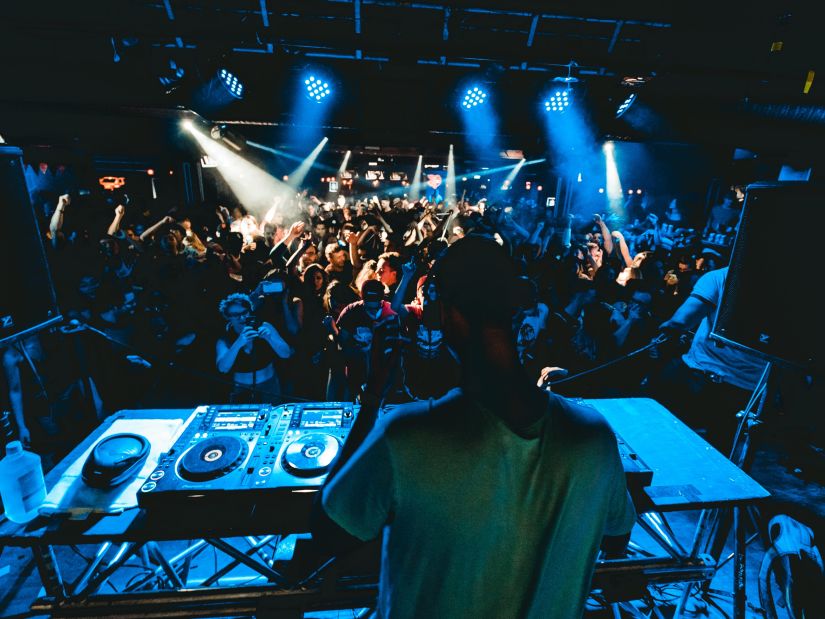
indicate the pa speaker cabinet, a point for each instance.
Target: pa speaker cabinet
{"x":771,"y":301}
{"x":27,"y":298}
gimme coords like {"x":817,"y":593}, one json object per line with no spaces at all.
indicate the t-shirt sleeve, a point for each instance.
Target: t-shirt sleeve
{"x":621,"y":514}
{"x":709,"y":287}
{"x":359,"y":499}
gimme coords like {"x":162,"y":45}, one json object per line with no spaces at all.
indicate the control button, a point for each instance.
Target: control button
{"x":197,"y":434}
{"x":348,"y":414}
{"x":271,"y":448}
{"x":156,"y":475}
{"x":148,"y":486}
{"x":250,"y":470}
{"x":264,"y":471}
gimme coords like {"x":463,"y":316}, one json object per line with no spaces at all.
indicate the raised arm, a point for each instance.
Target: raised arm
{"x":628,"y":261}
{"x":120,"y":211}
{"x":56,"y":222}
{"x":352,"y":239}
{"x":280,"y":253}
{"x":151,"y":230}
{"x":270,"y":335}
{"x":608,"y":239}
{"x":407,"y":273}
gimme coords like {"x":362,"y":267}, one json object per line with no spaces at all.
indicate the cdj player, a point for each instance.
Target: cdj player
{"x":242,"y":457}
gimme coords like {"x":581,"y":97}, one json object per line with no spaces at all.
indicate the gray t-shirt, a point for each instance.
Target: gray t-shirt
{"x":480,"y":521}
{"x":733,"y":365}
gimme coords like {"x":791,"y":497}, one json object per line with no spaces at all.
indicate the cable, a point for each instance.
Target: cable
{"x":655,"y":342}
{"x":174,"y":366}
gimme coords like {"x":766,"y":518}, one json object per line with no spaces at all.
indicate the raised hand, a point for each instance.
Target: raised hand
{"x":296,"y":229}
{"x":408,"y":268}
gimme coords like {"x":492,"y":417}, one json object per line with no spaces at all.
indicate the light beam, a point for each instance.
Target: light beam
{"x":450,"y":197}
{"x":254,"y":188}
{"x":297,"y":176}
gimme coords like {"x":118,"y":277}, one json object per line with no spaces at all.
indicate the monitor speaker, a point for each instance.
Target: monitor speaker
{"x":770,"y":302}
{"x":27,"y":298}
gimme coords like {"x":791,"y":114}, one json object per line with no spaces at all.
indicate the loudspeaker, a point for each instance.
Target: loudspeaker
{"x":770,"y":302}
{"x":27,"y":298}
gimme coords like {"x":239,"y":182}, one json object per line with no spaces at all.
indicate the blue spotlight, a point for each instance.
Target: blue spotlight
{"x":625,"y":104}
{"x":317,"y":88}
{"x":475,"y":96}
{"x":231,"y":83}
{"x":558,"y":101}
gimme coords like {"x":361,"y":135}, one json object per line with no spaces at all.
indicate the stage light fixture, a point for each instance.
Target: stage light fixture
{"x":171,"y":75}
{"x":317,"y":88}
{"x":558,"y":101}
{"x":475,"y":96}
{"x":625,"y":104}
{"x":231,"y":82}
{"x":186,"y":125}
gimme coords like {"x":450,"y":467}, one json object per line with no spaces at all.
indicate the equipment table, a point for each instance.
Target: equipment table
{"x":688,"y":474}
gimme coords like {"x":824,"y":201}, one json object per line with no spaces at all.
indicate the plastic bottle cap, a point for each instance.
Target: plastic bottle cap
{"x":13,"y":448}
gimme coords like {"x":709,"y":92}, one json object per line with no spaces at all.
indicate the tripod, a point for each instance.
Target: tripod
{"x":714,"y":525}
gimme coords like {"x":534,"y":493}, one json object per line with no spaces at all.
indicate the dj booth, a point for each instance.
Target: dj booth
{"x":239,"y":481}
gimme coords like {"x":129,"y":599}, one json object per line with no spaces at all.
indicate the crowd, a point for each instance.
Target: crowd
{"x":216,"y":305}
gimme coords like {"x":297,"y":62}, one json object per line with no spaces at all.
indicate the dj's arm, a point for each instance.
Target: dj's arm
{"x":369,"y":470}
{"x":689,"y":314}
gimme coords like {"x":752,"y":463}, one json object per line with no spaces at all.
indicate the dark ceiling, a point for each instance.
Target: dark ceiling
{"x":711,"y":75}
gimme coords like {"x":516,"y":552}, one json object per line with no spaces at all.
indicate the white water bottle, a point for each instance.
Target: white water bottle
{"x":22,"y":486}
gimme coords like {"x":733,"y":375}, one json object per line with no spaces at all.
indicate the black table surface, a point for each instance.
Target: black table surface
{"x":688,"y":474}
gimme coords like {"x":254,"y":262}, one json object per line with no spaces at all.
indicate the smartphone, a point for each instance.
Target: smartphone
{"x":275,"y":287}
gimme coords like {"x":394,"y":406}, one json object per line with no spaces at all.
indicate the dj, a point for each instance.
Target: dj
{"x":493,"y":500}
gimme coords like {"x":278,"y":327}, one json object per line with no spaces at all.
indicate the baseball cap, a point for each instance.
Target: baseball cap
{"x":372,"y":290}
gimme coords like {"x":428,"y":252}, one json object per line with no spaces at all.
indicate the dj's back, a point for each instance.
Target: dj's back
{"x":484,"y":521}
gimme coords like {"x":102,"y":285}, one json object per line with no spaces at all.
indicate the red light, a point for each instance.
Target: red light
{"x":540,"y":188}
{"x":150,"y":172}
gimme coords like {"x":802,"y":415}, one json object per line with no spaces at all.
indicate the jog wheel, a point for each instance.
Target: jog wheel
{"x":212,"y":458}
{"x":310,"y":455}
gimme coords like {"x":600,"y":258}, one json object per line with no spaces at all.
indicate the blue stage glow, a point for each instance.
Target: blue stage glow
{"x":316,"y":88}
{"x":558,"y":101}
{"x":231,"y":83}
{"x":625,"y":104}
{"x":475,"y":96}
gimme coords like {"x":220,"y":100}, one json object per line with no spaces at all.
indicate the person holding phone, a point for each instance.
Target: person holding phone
{"x":247,"y":352}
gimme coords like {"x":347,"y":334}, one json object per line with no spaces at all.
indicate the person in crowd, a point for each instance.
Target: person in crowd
{"x":52,"y":397}
{"x":247,"y":350}
{"x":553,"y":487}
{"x":356,"y":325}
{"x":388,"y":270}
{"x":724,"y":216}
{"x":339,"y":268}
